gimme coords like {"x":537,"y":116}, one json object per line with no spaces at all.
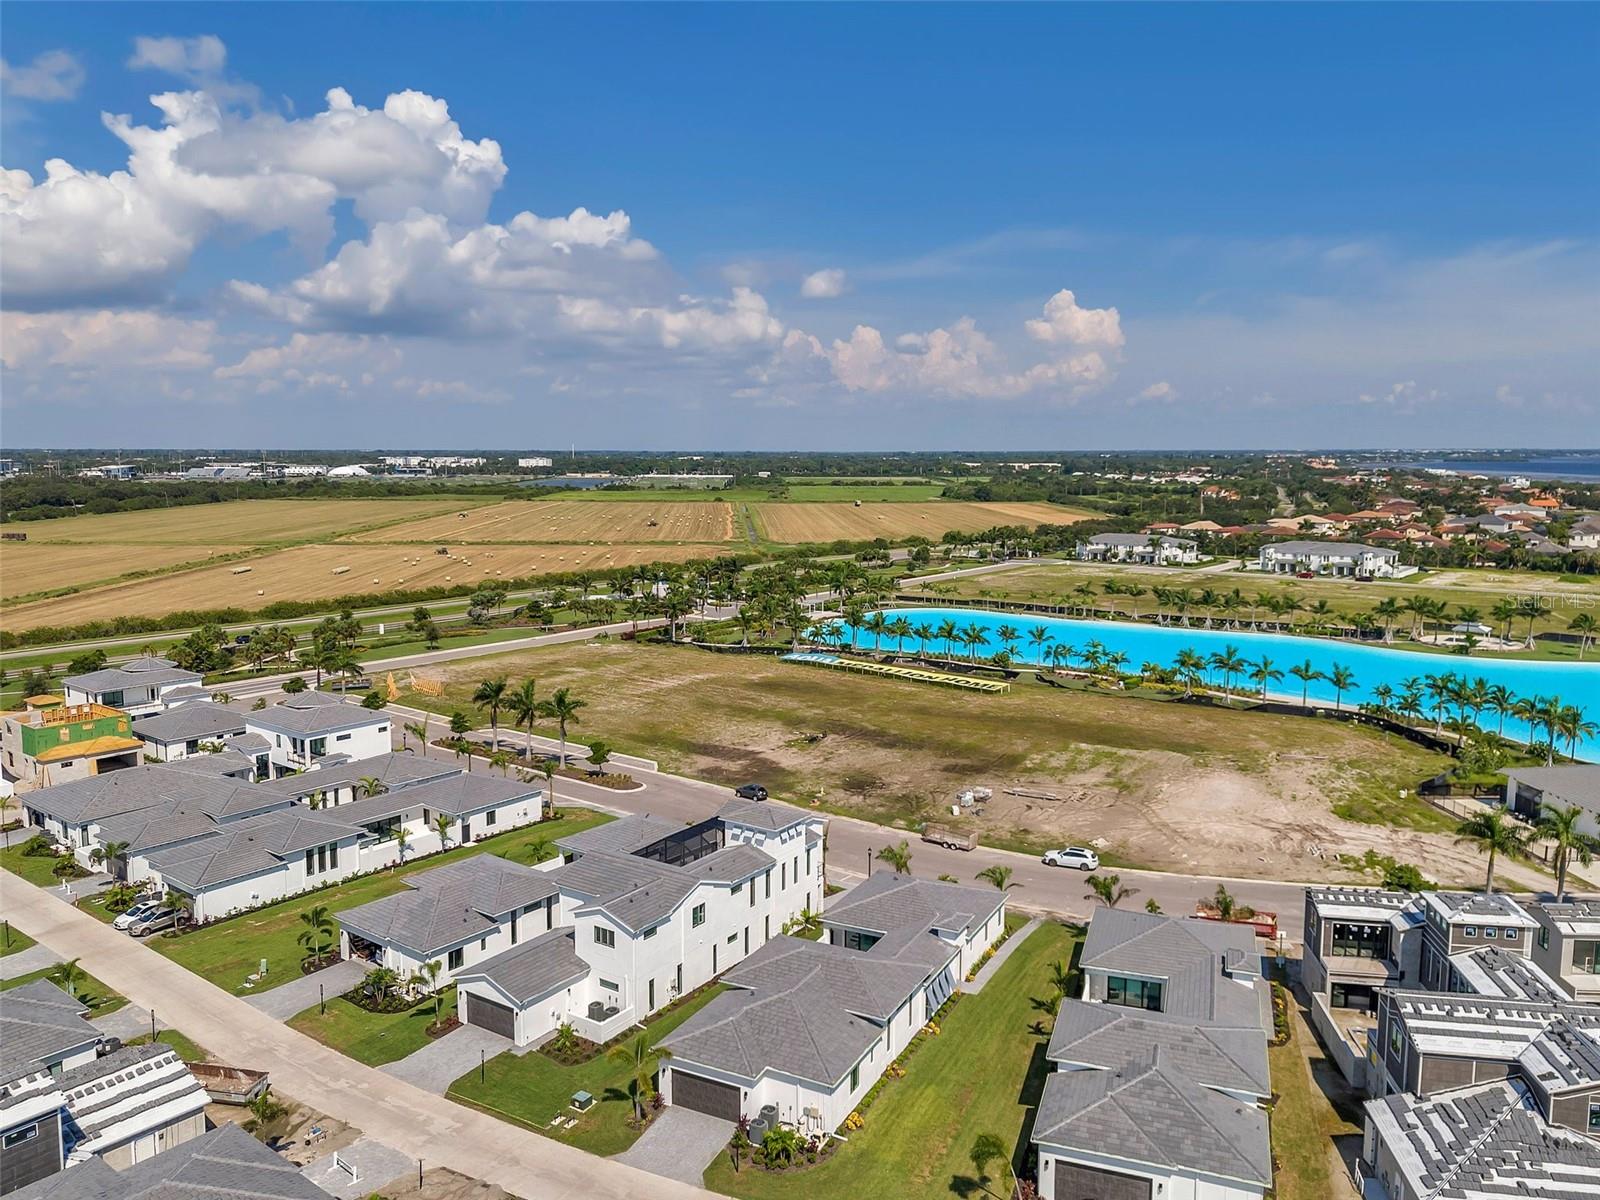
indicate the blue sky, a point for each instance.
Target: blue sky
{"x":824,"y":226}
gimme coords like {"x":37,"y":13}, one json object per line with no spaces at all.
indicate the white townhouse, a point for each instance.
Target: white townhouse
{"x":304,"y":730}
{"x":1146,"y":548}
{"x":137,"y":687}
{"x":641,"y":911}
{"x":806,"y":1028}
{"x":1352,"y":559}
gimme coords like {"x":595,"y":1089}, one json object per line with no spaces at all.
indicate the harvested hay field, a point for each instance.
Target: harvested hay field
{"x":1168,"y":786}
{"x":250,"y":522}
{"x":29,"y":567}
{"x":931,"y":519}
{"x":307,"y":573}
{"x":533,"y":521}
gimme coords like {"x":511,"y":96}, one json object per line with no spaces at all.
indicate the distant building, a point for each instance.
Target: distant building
{"x":352,"y":471}
{"x":1139,"y":548}
{"x":1348,"y":559}
{"x":656,"y":480}
{"x":138,"y":687}
{"x":534,"y":463}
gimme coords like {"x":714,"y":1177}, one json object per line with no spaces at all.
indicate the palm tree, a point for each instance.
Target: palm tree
{"x":562,"y":708}
{"x":1343,"y":681}
{"x":68,"y":975}
{"x":418,"y":730}
{"x":877,"y":625}
{"x":371,"y":785}
{"x":442,"y":823}
{"x":1008,"y":636}
{"x":1060,"y":978}
{"x":523,"y":705}
{"x":1038,"y":635}
{"x":1560,"y":825}
{"x":1108,"y":890}
{"x":997,"y":875}
{"x":265,"y":1108}
{"x":318,"y":922}
{"x":1228,"y":662}
{"x":641,"y":1058}
{"x":428,"y":974}
{"x":1499,"y":700}
{"x":988,"y":1148}
{"x":1307,"y":674}
{"x":1229,"y":909}
{"x":976,"y":635}
{"x":1493,"y":832}
{"x":1586,"y":627}
{"x":898,"y":857}
{"x":947,"y":633}
{"x":924,"y":633}
{"x":402,"y":838}
{"x":109,"y":853}
{"x":1190,"y":668}
{"x":547,"y":768}
{"x":1572,"y":725}
{"x":491,"y":694}
{"x":1264,"y":673}
{"x":1388,"y":610}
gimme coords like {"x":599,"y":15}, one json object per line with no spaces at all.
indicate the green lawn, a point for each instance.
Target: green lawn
{"x":369,"y":1037}
{"x":34,"y":868}
{"x":227,"y":952}
{"x":13,"y":940}
{"x":188,"y":1050}
{"x":532,"y":1088}
{"x":982,"y":1074}
{"x":96,"y":996}
{"x":1304,"y":1120}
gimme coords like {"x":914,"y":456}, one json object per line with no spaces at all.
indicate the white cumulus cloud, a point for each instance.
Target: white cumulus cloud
{"x":1064,"y":321}
{"x":823,"y":285}
{"x":52,"y":75}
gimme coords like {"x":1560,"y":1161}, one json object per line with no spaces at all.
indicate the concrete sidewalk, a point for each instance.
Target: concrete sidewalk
{"x":386,"y":1109}
{"x":986,"y":972}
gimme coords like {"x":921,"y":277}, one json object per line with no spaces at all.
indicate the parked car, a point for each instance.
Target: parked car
{"x":154,"y":922}
{"x":1072,"y":856}
{"x":751,"y":791}
{"x":137,"y":911}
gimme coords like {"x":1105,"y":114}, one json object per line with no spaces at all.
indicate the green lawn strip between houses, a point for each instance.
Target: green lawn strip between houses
{"x":983,"y":1073}
{"x":35,"y":868}
{"x":13,"y":941}
{"x":230,"y":950}
{"x":530,"y":1089}
{"x":370,"y":1037}
{"x":188,"y":1049}
{"x":95,"y":996}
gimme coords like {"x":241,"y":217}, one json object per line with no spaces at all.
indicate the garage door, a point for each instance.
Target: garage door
{"x":705,"y":1095}
{"x":487,"y":1014}
{"x":1088,"y":1183}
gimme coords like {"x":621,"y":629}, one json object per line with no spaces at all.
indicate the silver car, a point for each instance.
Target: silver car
{"x":154,"y":921}
{"x":136,"y":911}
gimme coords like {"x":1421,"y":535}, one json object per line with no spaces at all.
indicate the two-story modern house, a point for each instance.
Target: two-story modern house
{"x":1347,"y":559}
{"x":307,"y":730}
{"x":188,"y":728}
{"x":1148,"y":549}
{"x":1566,"y":946}
{"x":1160,"y":1068}
{"x":138,"y":687}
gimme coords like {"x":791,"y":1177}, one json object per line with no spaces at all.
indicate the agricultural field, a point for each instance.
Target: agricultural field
{"x":1562,"y":597}
{"x":569,"y":521}
{"x":307,"y":573}
{"x":30,"y":567}
{"x":1160,"y":784}
{"x":834,"y":493}
{"x":788,"y":523}
{"x":249,"y":522}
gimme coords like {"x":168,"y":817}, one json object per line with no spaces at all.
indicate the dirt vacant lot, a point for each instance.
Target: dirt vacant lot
{"x":28,"y":567}
{"x":570,"y":521}
{"x":307,"y":573}
{"x":1157,"y":784}
{"x":930,"y":519}
{"x":254,"y":522}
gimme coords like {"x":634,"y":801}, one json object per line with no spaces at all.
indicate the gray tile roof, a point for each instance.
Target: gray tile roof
{"x":1566,"y":1055}
{"x":239,"y":849}
{"x":318,"y":719}
{"x":1150,"y":1113}
{"x":1576,"y":784}
{"x":396,"y":770}
{"x":123,"y":678}
{"x":107,"y":1093}
{"x":625,"y":835}
{"x":1489,"y":1140}
{"x":224,"y":1164}
{"x":797,"y":1007}
{"x":1189,"y":954}
{"x":198,"y":720}
{"x":732,"y":864}
{"x":534,"y":969}
{"x":1351,"y":549}
{"x":1495,"y":906}
{"x":450,"y":904}
{"x":1108,"y":1037}
{"x":1492,"y":971}
{"x":885,"y":901}
{"x":222,"y":763}
{"x":134,"y":788}
{"x":768,"y":815}
{"x":39,"y":1024}
{"x":465,"y":793}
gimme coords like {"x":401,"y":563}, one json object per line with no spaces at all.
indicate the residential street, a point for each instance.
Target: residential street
{"x":387,"y":1109}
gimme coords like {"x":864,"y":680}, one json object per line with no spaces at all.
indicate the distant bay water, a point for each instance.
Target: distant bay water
{"x":1579,"y":467}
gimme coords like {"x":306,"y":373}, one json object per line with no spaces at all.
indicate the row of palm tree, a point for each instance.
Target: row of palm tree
{"x":1496,"y":833}
{"x":1420,"y":697}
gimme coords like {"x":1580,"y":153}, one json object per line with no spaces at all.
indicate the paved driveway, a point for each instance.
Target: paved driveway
{"x":679,"y":1145}
{"x":300,"y":994}
{"x":444,"y":1060}
{"x":375,"y":1165}
{"x":26,"y":962}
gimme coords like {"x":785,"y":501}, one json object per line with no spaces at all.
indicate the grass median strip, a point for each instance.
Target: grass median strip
{"x":532,"y":1088}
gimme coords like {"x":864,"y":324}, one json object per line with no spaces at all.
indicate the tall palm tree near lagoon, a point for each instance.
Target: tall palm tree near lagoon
{"x":1493,"y":832}
{"x":1342,"y":680}
{"x":1307,"y":674}
{"x":1560,"y":826}
{"x":1263,"y":674}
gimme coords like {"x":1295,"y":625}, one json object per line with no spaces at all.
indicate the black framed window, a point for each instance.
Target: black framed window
{"x":1359,"y":941}
{"x":1134,"y":993}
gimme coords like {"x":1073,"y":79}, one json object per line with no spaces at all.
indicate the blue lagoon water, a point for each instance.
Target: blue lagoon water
{"x":1576,"y":683}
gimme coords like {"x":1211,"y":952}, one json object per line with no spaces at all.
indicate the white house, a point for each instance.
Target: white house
{"x":43,"y":1034}
{"x":304,"y":729}
{"x":138,"y":687}
{"x":184,"y":728}
{"x":1332,"y":558}
{"x":1161,"y":1066}
{"x":652,"y":908}
{"x":809,"y":1027}
{"x":1139,"y":548}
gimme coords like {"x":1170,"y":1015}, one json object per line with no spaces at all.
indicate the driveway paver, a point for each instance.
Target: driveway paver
{"x":300,"y":994}
{"x":444,"y":1060}
{"x":679,"y":1145}
{"x":26,"y":962}
{"x":128,"y":1022}
{"x":374,"y":1164}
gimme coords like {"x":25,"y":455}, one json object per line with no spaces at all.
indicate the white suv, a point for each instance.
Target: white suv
{"x":1072,"y":856}
{"x":136,"y":912}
